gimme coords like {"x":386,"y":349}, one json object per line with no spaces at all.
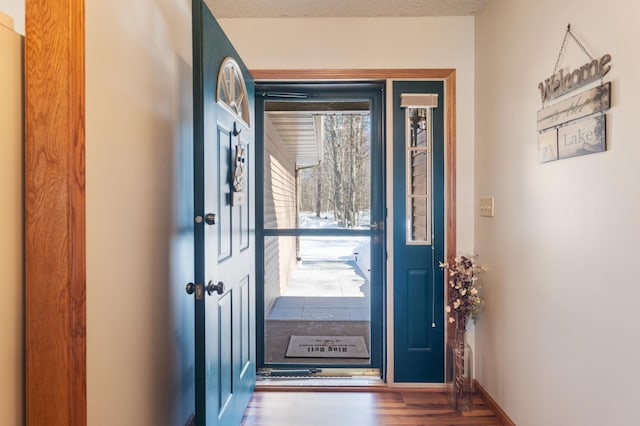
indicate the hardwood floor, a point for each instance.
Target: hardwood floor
{"x":360,"y":408}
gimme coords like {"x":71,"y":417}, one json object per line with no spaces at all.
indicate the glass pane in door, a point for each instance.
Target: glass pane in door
{"x":317,"y":167}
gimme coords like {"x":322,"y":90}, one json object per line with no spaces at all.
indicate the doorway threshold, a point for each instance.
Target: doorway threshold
{"x":342,"y":378}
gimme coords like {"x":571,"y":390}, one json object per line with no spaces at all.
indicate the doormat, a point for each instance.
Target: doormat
{"x":327,"y":347}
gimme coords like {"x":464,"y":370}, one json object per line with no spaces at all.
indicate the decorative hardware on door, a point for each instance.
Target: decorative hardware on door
{"x":210,"y":218}
{"x":377,"y":226}
{"x":239,"y":194}
{"x":195,"y":288}
{"x":218,"y":288}
{"x":238,"y":169}
{"x":236,"y":132}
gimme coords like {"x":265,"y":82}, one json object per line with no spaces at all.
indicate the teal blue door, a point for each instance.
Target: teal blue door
{"x":418,"y":229}
{"x":224,"y":225}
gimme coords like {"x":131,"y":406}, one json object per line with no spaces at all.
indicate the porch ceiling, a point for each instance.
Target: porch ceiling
{"x":301,"y":133}
{"x":301,"y":125}
{"x":342,"y":8}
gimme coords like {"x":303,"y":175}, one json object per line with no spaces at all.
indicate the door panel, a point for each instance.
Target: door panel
{"x":224,"y":204}
{"x":418,"y":285}
{"x":224,"y":273}
{"x":243,"y":209}
{"x":245,"y":340}
{"x":418,"y":239}
{"x":225,"y":355}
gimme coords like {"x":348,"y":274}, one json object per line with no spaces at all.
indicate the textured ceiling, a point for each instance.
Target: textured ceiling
{"x":342,"y":8}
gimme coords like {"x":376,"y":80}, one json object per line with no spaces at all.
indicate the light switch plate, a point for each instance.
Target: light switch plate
{"x":486,"y":206}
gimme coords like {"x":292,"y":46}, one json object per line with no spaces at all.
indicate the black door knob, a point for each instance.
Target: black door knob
{"x":191,"y":288}
{"x":218,"y":288}
{"x":210,"y":218}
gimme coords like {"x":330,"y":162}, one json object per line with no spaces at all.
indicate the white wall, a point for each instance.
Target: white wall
{"x":139,"y":212}
{"x":15,"y":9}
{"x":11,"y":229}
{"x":373,"y":43}
{"x":558,"y":342}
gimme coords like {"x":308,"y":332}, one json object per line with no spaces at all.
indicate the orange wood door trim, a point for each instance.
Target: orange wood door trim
{"x":354,"y":74}
{"x":55,"y":271}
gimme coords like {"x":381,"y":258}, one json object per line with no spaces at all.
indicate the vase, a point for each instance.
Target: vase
{"x":459,"y":372}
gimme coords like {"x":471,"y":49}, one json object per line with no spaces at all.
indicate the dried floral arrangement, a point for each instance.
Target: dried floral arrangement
{"x":464,"y":299}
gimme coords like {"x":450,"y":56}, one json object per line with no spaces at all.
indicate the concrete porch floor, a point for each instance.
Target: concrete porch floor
{"x":324,"y":290}
{"x":323,"y":298}
{"x":302,"y":308}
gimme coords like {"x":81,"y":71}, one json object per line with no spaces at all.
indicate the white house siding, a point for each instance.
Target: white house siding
{"x":280,"y":212}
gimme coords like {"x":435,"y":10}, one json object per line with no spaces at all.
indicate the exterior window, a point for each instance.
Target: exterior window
{"x":419,"y":170}
{"x":232,"y":91}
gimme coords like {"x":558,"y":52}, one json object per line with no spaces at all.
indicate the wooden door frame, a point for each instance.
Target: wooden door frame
{"x":54,"y":193}
{"x":448,"y":76}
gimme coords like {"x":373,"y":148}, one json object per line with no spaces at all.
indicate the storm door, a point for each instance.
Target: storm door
{"x":320,"y":227}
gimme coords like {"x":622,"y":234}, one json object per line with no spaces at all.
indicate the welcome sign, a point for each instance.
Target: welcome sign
{"x":576,"y":107}
{"x":576,"y":125}
{"x":560,"y":83}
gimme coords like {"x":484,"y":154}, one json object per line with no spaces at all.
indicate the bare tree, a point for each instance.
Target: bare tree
{"x":341,"y":182}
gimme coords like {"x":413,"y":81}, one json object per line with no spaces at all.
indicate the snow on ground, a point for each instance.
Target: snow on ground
{"x":363,"y":259}
{"x":355,"y":249}
{"x":309,"y":220}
